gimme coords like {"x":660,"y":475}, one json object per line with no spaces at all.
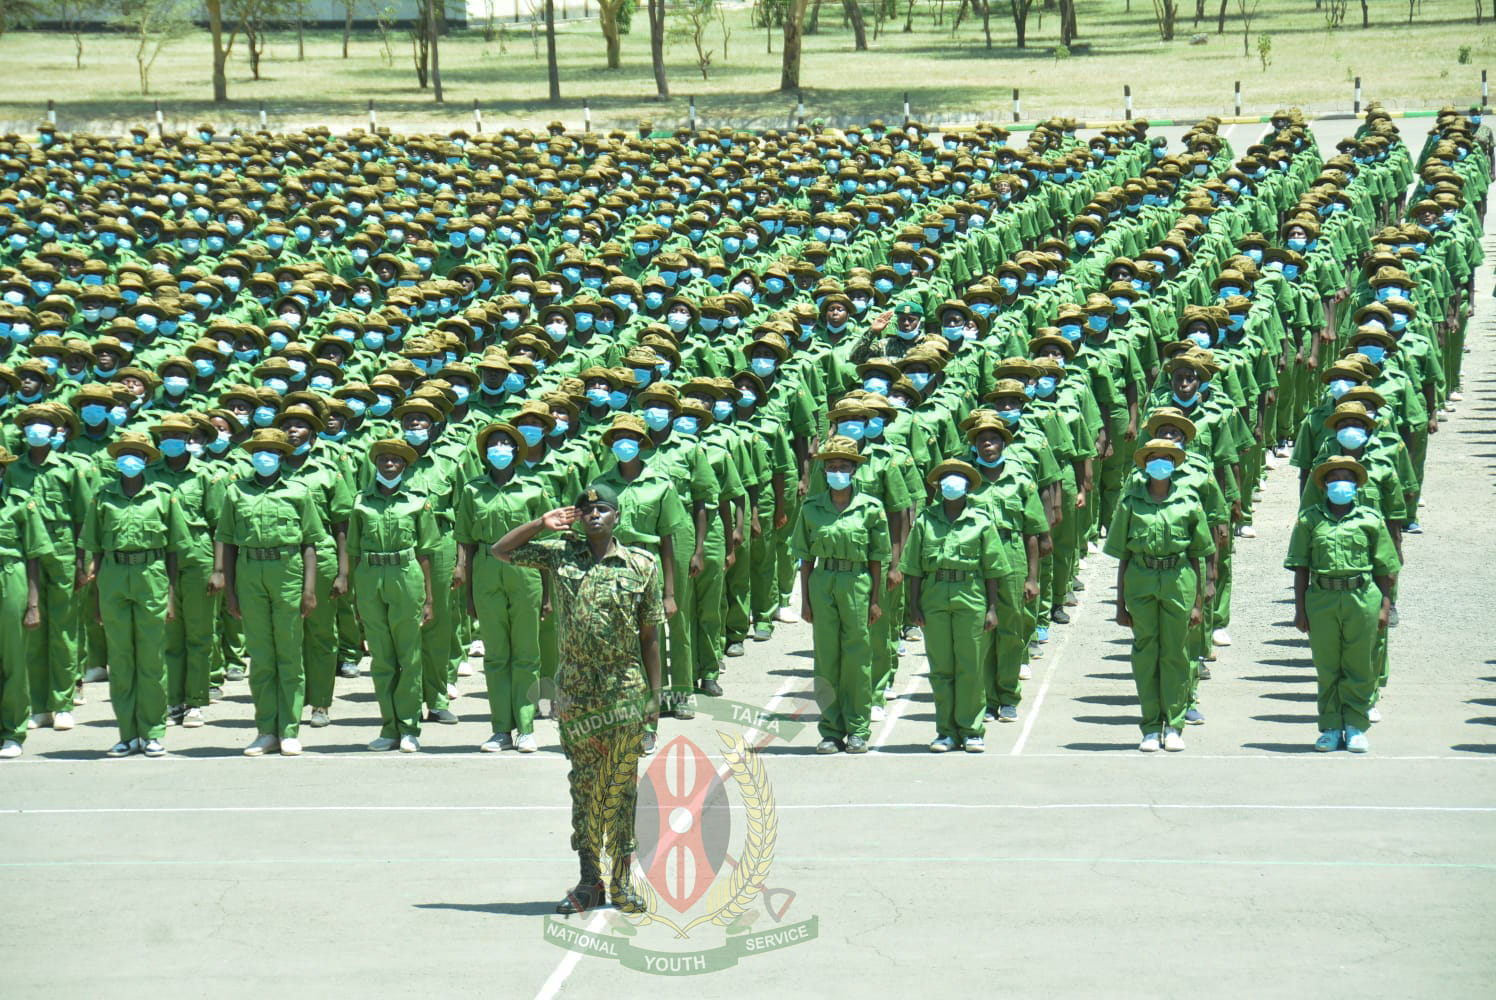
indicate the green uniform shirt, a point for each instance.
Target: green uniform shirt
{"x":486,"y":512}
{"x":857,"y":534}
{"x":264,"y":517}
{"x":151,"y":519}
{"x":23,"y":534}
{"x":968,"y":544}
{"x":1353,"y":543}
{"x":395,"y":523}
{"x":649,"y":507}
{"x":1175,"y":525}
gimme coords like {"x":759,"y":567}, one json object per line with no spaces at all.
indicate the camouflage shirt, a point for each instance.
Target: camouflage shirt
{"x":602,"y":604}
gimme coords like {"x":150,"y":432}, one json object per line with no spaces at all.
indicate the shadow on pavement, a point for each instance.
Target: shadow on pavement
{"x":535,"y":909}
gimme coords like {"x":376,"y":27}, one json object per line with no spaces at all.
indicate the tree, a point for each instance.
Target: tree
{"x":607,"y":20}
{"x":1068,"y":30}
{"x":1248,"y":10}
{"x":1165,"y":12}
{"x":551,"y":69}
{"x":253,"y":18}
{"x":348,"y":6}
{"x":794,"y":31}
{"x":433,"y":30}
{"x":657,"y":47}
{"x":18,"y":14}
{"x":1021,"y":10}
{"x":154,"y":25}
{"x":220,"y":51}
{"x":859,"y":29}
{"x":75,"y":15}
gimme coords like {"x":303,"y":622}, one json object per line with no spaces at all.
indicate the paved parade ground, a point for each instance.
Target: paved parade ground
{"x":1061,"y":863}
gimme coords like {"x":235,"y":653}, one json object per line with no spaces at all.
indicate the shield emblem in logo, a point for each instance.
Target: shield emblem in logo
{"x":683,"y":823}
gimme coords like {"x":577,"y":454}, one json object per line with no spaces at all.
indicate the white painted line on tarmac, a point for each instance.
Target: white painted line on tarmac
{"x":816,"y":807}
{"x":557,"y":978}
{"x":892,"y":717}
{"x":1052,"y":661}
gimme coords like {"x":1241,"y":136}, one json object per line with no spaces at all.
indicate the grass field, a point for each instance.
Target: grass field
{"x":949,"y":76}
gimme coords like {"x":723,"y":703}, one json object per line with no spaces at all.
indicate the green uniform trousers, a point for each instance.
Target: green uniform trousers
{"x":319,"y":634}
{"x":1005,"y":655}
{"x":604,"y":781}
{"x":132,"y":602}
{"x":840,"y":601}
{"x":680,"y":665}
{"x":231,"y":649}
{"x":707,"y":598}
{"x":52,"y":649}
{"x":389,"y":600}
{"x":1159,"y":601}
{"x":737,"y":599}
{"x":191,"y":636}
{"x":763,"y":572}
{"x":955,"y":645}
{"x":437,"y":638}
{"x":786,"y":565}
{"x":1067,"y":539}
{"x":350,"y":632}
{"x":93,"y":647}
{"x":15,"y":683}
{"x":883,"y":638}
{"x":1343,"y":637}
{"x":507,"y":599}
{"x":269,"y":593}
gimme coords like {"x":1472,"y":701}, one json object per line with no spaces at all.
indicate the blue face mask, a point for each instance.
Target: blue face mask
{"x":130,"y":466}
{"x":763,"y":366}
{"x":500,"y":456}
{"x":1375,"y":353}
{"x":919,"y":379}
{"x":839,"y":480}
{"x":94,"y":414}
{"x":1070,"y":331}
{"x":625,"y":449}
{"x":1159,"y":468}
{"x":1297,"y":244}
{"x":1351,"y":437}
{"x":618,"y":399}
{"x":1011,"y":417}
{"x":656,"y":418}
{"x":953,"y":487}
{"x":1340,"y":387}
{"x":854,"y":429}
{"x":266,"y":463}
{"x":722,"y":410}
{"x":874,"y":427}
{"x":531,"y":434}
{"x":389,"y":482}
{"x":1341,"y":491}
{"x":39,"y":435}
{"x":1181,"y":401}
{"x":417,"y":436}
{"x":1097,"y":324}
{"x":382,"y":405}
{"x":1044,"y":386}
{"x":514,"y":382}
{"x":687,"y":424}
{"x":173,"y":447}
{"x":175,"y":385}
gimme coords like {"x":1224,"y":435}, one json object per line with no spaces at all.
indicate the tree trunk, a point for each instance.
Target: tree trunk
{"x":859,"y":29}
{"x":814,"y":25}
{"x":347,"y":27}
{"x":794,"y":22}
{"x":909,"y":18}
{"x":1366,"y":16}
{"x":1221,"y":19}
{"x":220,"y":57}
{"x":550,"y":51}
{"x":1020,"y":20}
{"x":1067,"y":22}
{"x":607,"y":19}
{"x":657,"y":47}
{"x":987,"y":21}
{"x":432,"y":32}
{"x":1199,"y":12}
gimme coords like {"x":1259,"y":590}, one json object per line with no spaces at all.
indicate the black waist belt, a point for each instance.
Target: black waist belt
{"x":137,"y":558}
{"x":269,"y":555}
{"x":1160,"y":562}
{"x":399,"y":558}
{"x":953,"y":575}
{"x":840,"y":565}
{"x":1340,"y":582}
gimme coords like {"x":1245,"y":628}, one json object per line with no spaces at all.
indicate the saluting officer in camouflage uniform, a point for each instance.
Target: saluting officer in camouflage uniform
{"x":610,"y":602}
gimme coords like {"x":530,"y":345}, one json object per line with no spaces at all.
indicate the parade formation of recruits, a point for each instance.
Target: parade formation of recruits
{"x":353,"y":363}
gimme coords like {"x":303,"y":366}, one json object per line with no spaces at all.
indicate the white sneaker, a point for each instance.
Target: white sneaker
{"x":1221,"y":637}
{"x":452,"y":693}
{"x":290,"y":747}
{"x":888,"y":694}
{"x":1093,"y":549}
{"x":62,"y":721}
{"x":1284,"y":451}
{"x":382,"y":744}
{"x":1246,"y":530}
{"x":409,"y":744}
{"x":497,"y":743}
{"x":476,"y":649}
{"x":1080,"y":564}
{"x":464,"y":669}
{"x":525,"y":743}
{"x":39,"y":720}
{"x":1374,"y":714}
{"x":1422,"y":502}
{"x":94,"y":675}
{"x":1149,"y":744}
{"x":942,"y":744}
{"x":1173,"y":742}
{"x":1025,"y":673}
{"x":877,"y":713}
{"x":10,"y":750}
{"x":786,"y":617}
{"x":262,"y":745}
{"x":1456,"y":396}
{"x":193,"y":719}
{"x":1270,"y":460}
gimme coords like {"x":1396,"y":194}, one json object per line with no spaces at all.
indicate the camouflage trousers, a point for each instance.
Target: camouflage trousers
{"x":604,"y":782}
